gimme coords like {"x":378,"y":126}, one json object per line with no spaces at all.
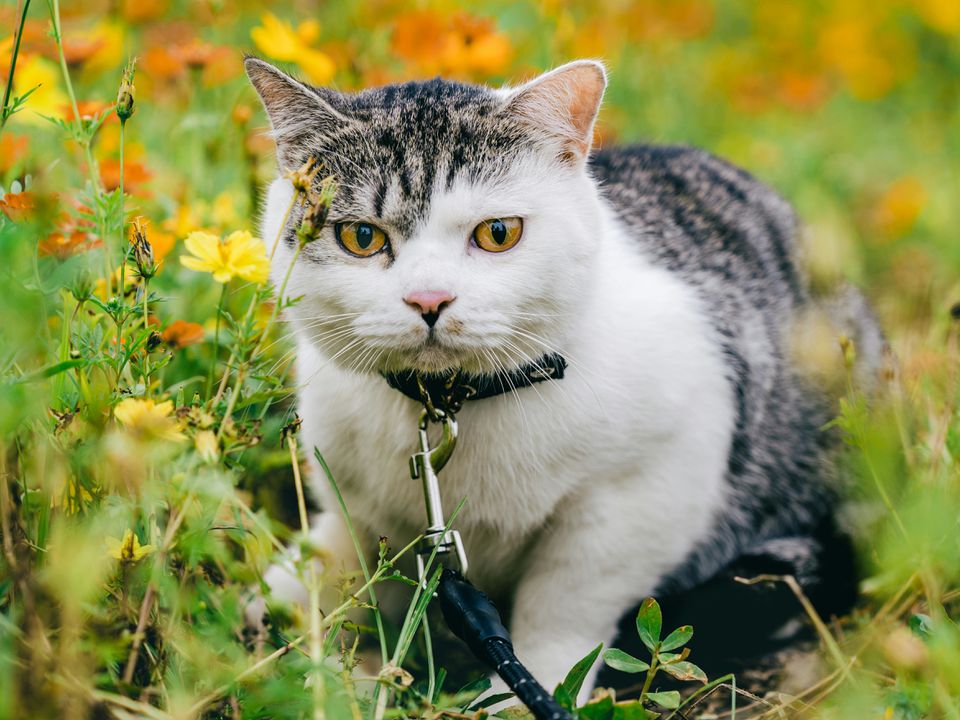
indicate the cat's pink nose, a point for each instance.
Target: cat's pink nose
{"x":429,"y":303}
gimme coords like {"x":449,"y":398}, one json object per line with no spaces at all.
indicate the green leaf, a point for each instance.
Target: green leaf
{"x":669,"y":699}
{"x":678,"y":638}
{"x":490,"y":700}
{"x":649,"y":623}
{"x":666,"y":658}
{"x":515,"y":712}
{"x":632,"y":711}
{"x":563,"y":696}
{"x":624,"y":662}
{"x":601,"y":708}
{"x":921,"y":625}
{"x":685,"y":671}
{"x":574,"y":680}
{"x":51,"y":370}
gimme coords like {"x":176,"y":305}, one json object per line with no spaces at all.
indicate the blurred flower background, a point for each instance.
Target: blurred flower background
{"x":146,"y":381}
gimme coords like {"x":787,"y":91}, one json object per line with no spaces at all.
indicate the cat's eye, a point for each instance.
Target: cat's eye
{"x":360,"y":238}
{"x":498,"y":234}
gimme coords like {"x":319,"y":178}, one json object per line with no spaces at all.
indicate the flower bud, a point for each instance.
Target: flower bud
{"x":125,"y":95}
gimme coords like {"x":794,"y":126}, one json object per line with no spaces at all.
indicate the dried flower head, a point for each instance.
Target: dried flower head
{"x":316,"y":216}
{"x":303,"y":177}
{"x":143,"y":251}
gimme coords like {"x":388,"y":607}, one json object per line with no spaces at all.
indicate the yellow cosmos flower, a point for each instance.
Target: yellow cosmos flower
{"x":148,"y":419}
{"x":240,"y":254}
{"x":279,"y":40}
{"x":43,"y":77}
{"x":129,"y":549}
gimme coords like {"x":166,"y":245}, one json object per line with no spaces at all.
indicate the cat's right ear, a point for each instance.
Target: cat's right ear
{"x":299,"y":116}
{"x":563,"y":104}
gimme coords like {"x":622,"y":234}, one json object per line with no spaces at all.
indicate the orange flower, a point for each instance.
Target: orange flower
{"x":196,"y":54}
{"x":180,"y":334}
{"x":12,"y":149}
{"x":162,"y":64}
{"x":17,"y":206}
{"x":141,"y":11}
{"x":78,"y":50}
{"x":461,"y":45}
{"x":62,"y":245}
{"x":135,"y":176}
{"x":89,"y":109}
{"x":899,"y":206}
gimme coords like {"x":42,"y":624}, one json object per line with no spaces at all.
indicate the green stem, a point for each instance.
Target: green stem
{"x":654,"y":667}
{"x":253,"y":353}
{"x":13,"y":66}
{"x":146,"y":327}
{"x":216,"y":338}
{"x":283,"y":223}
{"x":123,"y":239}
{"x":313,"y":589}
{"x":54,"y":6}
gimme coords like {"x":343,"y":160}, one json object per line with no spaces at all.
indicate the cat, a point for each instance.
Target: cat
{"x":477,"y":229}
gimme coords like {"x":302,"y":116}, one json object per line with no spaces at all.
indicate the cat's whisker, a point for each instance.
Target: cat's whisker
{"x":500,"y":367}
{"x":585,"y":373}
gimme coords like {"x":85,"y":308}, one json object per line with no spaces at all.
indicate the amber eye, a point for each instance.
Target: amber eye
{"x":360,"y":238}
{"x":498,"y":234}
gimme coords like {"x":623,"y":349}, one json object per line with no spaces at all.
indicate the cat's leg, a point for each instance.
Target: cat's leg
{"x":603,"y":552}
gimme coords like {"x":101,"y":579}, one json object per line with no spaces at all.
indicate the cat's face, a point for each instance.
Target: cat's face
{"x":463,"y":227}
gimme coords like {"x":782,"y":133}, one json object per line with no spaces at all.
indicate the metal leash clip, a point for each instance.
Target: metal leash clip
{"x":424,"y":466}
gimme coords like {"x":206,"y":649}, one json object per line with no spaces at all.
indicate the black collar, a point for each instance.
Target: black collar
{"x":450,"y":389}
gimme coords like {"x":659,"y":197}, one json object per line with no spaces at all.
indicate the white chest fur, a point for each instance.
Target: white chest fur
{"x":644,"y":395}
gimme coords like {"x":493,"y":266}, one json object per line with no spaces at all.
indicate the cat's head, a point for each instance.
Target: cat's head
{"x":463,"y":229}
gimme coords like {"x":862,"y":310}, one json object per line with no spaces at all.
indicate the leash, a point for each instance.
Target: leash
{"x":468,"y":612}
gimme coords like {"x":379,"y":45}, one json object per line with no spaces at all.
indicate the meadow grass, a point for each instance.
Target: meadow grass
{"x":151,"y":468}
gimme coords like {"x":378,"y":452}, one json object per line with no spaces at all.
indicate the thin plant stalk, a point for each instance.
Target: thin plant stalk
{"x":13,"y":66}
{"x":54,"y":6}
{"x":233,"y":355}
{"x":216,"y":338}
{"x":123,"y":239}
{"x":313,"y":590}
{"x":329,"y":620}
{"x":231,"y":403}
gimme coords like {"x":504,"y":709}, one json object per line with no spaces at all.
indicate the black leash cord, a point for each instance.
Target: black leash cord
{"x":473,"y":618}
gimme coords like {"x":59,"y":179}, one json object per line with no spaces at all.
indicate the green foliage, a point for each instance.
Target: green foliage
{"x":849,"y":109}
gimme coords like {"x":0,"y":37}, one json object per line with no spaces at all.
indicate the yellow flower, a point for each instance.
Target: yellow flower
{"x":240,"y":254}
{"x":941,"y":15}
{"x":223,"y":210}
{"x":280,"y":41}
{"x":129,"y":549}
{"x":43,"y":77}
{"x":148,"y":419}
{"x":207,"y":445}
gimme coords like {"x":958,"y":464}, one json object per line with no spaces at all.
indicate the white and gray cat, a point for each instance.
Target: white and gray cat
{"x":474,"y":229}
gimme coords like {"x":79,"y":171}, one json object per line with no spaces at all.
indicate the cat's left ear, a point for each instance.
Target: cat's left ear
{"x":563,"y":104}
{"x":301,"y":115}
